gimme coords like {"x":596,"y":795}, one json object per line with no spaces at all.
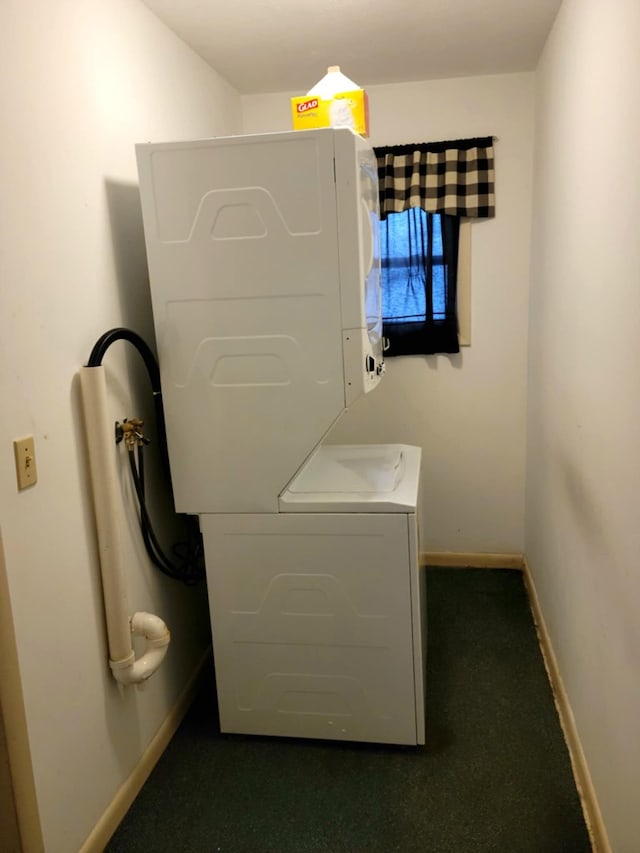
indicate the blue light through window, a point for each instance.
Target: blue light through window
{"x":405,"y":252}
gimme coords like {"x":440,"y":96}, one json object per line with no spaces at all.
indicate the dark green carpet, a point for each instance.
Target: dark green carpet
{"x":494,"y":776}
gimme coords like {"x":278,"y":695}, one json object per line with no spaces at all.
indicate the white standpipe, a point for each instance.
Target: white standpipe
{"x":100,"y":440}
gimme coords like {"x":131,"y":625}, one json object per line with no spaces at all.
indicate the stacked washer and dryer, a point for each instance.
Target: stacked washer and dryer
{"x":265,"y":282}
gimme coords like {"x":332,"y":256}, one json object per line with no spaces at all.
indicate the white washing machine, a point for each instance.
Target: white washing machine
{"x":318,"y":611}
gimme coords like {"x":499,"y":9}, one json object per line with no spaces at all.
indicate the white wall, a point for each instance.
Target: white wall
{"x":80,"y":83}
{"x":467,"y":412}
{"x":583,"y":536}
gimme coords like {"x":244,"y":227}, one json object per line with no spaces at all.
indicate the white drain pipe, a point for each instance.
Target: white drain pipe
{"x":100,"y":440}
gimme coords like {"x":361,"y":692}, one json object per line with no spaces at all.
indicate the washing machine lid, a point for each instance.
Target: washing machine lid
{"x":356,"y":478}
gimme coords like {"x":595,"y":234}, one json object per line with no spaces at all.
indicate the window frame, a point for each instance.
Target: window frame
{"x":463,"y":305}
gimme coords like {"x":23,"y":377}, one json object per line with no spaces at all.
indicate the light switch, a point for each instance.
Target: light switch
{"x":25,"y":453}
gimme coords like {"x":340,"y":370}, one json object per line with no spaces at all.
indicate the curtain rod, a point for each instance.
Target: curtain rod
{"x":472,"y":142}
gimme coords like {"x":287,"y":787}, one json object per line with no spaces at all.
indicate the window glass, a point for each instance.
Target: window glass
{"x":404,"y":252}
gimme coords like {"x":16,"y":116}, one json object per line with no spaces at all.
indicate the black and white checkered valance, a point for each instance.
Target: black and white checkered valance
{"x":440,"y":177}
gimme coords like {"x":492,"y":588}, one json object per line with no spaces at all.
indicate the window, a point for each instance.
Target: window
{"x":433,"y":188}
{"x":419,"y":257}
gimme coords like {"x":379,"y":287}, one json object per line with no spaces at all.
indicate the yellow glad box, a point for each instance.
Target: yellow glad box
{"x":345,"y":109}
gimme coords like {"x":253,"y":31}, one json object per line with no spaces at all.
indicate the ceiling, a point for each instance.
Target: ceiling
{"x":286,"y":45}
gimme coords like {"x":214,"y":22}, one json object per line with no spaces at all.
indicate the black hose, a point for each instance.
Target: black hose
{"x":191,"y":567}
{"x":104,"y":342}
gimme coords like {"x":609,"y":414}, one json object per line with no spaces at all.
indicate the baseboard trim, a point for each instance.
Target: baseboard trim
{"x":582,"y":776}
{"x":471,"y":560}
{"x":131,"y":787}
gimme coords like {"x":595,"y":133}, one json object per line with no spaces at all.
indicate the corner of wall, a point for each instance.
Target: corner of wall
{"x":21,"y":785}
{"x":584,"y":784}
